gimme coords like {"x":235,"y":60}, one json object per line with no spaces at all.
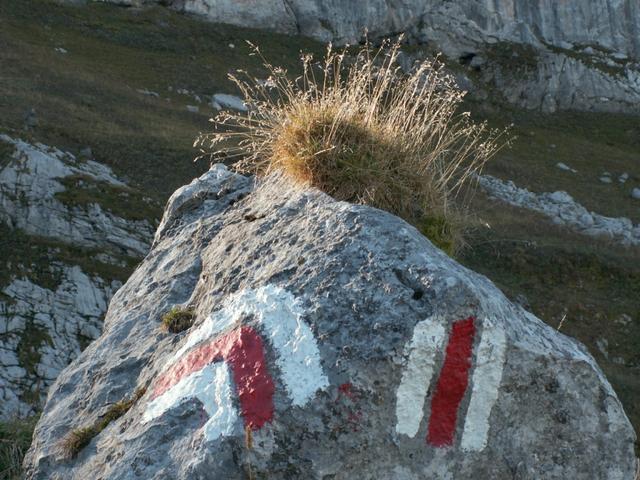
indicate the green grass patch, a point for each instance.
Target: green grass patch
{"x":6,"y":150}
{"x":32,"y":340}
{"x":441,"y":232}
{"x":15,"y":439}
{"x":590,"y":143}
{"x":518,"y":58}
{"x":124,"y":202}
{"x":593,"y":61}
{"x":89,"y":96}
{"x":35,"y":258}
{"x":177,"y":319}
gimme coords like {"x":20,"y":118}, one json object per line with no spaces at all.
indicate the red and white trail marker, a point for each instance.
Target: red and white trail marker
{"x":458,"y":370}
{"x":223,"y":359}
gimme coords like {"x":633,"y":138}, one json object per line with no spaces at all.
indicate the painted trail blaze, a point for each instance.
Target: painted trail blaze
{"x":452,"y":384}
{"x":222,"y":364}
{"x":458,"y":370}
{"x":243,"y":350}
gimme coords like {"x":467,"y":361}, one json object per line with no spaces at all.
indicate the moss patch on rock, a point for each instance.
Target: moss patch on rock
{"x":518,"y":58}
{"x":615,"y":69}
{"x":178,"y":319}
{"x":6,"y":150}
{"x":32,"y":340}
{"x":79,"y":438}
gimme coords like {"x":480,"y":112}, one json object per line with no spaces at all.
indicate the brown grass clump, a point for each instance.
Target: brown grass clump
{"x":76,"y":440}
{"x":178,"y":319}
{"x":79,"y":438}
{"x":360,"y":130}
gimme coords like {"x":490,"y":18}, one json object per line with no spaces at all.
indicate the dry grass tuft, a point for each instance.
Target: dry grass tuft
{"x":359,"y":129}
{"x":79,"y":438}
{"x":76,"y":440}
{"x":178,"y":319}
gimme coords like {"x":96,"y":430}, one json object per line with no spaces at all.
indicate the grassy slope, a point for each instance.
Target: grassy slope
{"x":89,"y":97}
{"x":590,"y":143}
{"x":594,"y":284}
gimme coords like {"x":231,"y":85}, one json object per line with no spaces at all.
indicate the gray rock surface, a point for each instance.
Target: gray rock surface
{"x":42,"y":330}
{"x":29,"y":184}
{"x":565,"y":167}
{"x":561,"y":81}
{"x":225,"y":100}
{"x":610,"y":24}
{"x":562,"y":209}
{"x":331,"y":341}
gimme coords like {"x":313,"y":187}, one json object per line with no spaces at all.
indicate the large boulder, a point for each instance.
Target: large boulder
{"x":331,"y":341}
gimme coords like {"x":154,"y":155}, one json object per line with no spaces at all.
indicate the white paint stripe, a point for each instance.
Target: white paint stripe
{"x":277,"y":310}
{"x":223,"y":416}
{"x":487,"y":376}
{"x":298,"y":355}
{"x":428,"y":339}
{"x":212,"y":386}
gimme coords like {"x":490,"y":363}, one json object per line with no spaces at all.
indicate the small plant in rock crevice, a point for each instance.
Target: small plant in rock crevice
{"x":77,"y":439}
{"x":359,"y":129}
{"x":178,"y":319}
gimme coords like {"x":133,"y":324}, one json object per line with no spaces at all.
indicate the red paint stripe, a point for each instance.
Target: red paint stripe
{"x":452,"y":383}
{"x":253,"y":383}
{"x":196,"y":360}
{"x":243,"y":350}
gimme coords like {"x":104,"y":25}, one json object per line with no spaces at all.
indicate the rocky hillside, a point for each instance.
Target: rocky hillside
{"x":136,"y":85}
{"x":67,"y":246}
{"x":568,"y":55}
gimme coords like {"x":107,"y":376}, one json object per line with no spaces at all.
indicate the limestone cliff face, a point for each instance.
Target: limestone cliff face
{"x":612,"y":24}
{"x":585,"y":54}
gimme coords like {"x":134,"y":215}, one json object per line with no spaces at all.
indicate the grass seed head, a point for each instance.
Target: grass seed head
{"x":359,"y":129}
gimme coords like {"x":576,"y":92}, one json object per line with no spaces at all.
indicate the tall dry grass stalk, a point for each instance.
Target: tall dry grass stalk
{"x":359,"y":129}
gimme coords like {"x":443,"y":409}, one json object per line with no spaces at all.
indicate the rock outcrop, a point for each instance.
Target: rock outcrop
{"x":63,"y":255}
{"x":32,"y":188}
{"x":611,"y":24}
{"x":562,"y":209}
{"x":330,"y":341}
